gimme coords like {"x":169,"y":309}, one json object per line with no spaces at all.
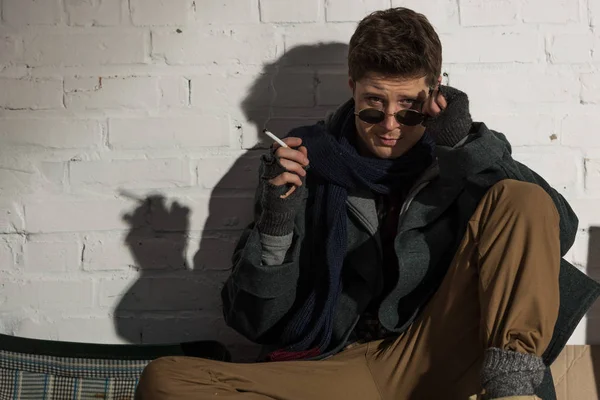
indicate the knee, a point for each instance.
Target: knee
{"x":155,"y":379}
{"x":525,"y":199}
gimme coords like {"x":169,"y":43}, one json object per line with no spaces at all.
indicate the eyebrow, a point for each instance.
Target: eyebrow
{"x":413,"y":98}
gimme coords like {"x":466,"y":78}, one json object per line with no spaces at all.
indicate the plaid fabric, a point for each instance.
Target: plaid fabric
{"x":40,"y":377}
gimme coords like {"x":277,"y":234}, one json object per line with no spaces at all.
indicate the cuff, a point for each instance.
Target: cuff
{"x":510,"y":373}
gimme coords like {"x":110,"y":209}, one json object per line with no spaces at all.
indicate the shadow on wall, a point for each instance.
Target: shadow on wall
{"x":172,"y":301}
{"x":593,"y":324}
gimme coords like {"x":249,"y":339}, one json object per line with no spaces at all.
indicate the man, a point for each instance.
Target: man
{"x":398,"y":251}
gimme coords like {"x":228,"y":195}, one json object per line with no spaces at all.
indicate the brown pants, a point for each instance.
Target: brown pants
{"x":500,"y":291}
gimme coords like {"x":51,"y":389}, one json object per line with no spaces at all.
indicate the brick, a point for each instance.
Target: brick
{"x":442,"y":14}
{"x":550,"y":11}
{"x":48,"y":255}
{"x":79,"y":329}
{"x":13,"y":71}
{"x":593,"y":261}
{"x":157,"y":173}
{"x":190,"y":327}
{"x":113,"y":93}
{"x":228,"y":12}
{"x":93,"y":12}
{"x":190,"y":131}
{"x":289,"y":11}
{"x":564,"y":177}
{"x":22,"y":177}
{"x":11,"y":49}
{"x":594,"y":9}
{"x":161,"y":12}
{"x":590,"y":88}
{"x":7,"y":259}
{"x":137,"y":250}
{"x":108,"y":330}
{"x":112,"y":46}
{"x":517,"y":87}
{"x":16,"y":182}
{"x":484,"y":47}
{"x":488,"y":13}
{"x":174,"y":92}
{"x":51,"y":133}
{"x":214,"y":254}
{"x":31,"y":12}
{"x":578,"y":253}
{"x":525,"y":130}
{"x":30,"y":94}
{"x":592,"y":174}
{"x":11,"y":220}
{"x":220,"y":213}
{"x":571,"y":48}
{"x":50,"y":177}
{"x":46,"y":295}
{"x":106,"y":254}
{"x":294,"y":89}
{"x":252,"y":136}
{"x":74,"y":216}
{"x":182,"y":329}
{"x":339,"y":11}
{"x":332,"y":89}
{"x":206,"y":47}
{"x":575,"y":130}
{"x":187,"y":291}
{"x":228,"y":172}
{"x":317,"y":44}
{"x":587,"y":211}
{"x":230,"y":91}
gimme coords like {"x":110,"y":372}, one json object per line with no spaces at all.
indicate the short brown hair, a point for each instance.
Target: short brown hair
{"x":395,"y":42}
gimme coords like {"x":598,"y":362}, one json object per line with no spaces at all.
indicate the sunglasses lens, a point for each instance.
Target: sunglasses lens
{"x":409,"y":117}
{"x":371,"y":116}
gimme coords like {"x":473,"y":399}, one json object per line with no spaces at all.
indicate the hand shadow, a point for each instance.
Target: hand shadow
{"x":171,"y":302}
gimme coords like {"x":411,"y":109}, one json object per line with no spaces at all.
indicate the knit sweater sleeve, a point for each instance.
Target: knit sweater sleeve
{"x":274,"y":248}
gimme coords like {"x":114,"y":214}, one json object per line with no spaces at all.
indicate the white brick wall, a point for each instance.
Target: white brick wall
{"x":106,"y":103}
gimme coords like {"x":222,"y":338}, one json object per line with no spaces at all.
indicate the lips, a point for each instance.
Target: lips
{"x":388,"y":142}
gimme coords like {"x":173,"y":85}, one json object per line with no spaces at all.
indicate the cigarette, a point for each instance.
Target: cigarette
{"x":275,"y":138}
{"x":282,"y":144}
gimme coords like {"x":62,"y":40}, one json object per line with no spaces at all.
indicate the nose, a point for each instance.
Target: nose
{"x":390,"y":123}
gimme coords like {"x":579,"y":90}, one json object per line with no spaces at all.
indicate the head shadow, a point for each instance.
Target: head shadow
{"x":176,"y":296}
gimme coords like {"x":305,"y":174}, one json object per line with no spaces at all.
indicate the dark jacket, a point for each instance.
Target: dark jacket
{"x":257,"y":299}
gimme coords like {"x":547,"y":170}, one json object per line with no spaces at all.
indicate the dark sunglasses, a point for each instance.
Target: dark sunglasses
{"x":404,"y":117}
{"x":408,"y":117}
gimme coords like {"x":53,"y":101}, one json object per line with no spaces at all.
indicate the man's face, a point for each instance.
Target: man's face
{"x":388,"y":139}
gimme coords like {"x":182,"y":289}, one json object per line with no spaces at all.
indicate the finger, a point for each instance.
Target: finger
{"x":304,"y":151}
{"x":293,"y":166}
{"x":292,"y":141}
{"x":291,"y":154}
{"x":434,"y":107}
{"x":292,"y":189}
{"x":441,"y":101}
{"x":286,"y":178}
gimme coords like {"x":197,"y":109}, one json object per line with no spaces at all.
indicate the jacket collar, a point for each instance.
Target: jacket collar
{"x":445,"y":179}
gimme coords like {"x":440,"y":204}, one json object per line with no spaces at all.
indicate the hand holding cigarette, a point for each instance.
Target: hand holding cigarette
{"x":293,"y":157}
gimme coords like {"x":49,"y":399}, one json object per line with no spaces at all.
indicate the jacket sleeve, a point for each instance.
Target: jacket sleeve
{"x":256,"y":297}
{"x":568,"y":220}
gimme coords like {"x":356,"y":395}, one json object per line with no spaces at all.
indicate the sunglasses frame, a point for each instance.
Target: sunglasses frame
{"x":396,"y":114}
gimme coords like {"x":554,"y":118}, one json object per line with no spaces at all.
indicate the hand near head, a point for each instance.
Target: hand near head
{"x":449,"y":119}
